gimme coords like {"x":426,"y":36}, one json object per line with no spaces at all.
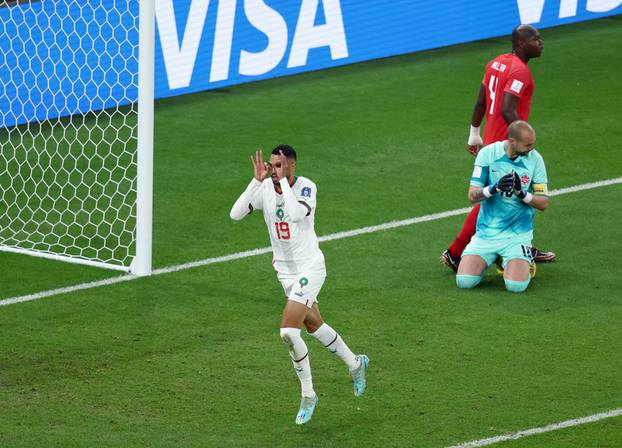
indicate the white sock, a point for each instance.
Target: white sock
{"x":300,"y":358}
{"x":330,"y":339}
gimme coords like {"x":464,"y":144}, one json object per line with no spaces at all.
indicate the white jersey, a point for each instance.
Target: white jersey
{"x":294,"y":244}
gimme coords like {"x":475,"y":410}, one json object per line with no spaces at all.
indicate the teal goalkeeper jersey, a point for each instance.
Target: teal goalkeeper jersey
{"x":503,"y":216}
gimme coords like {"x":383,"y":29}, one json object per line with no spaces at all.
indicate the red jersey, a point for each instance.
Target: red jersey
{"x":505,"y":73}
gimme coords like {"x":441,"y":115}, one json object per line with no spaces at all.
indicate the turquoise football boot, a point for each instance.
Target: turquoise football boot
{"x":307,"y":406}
{"x":358,"y":375}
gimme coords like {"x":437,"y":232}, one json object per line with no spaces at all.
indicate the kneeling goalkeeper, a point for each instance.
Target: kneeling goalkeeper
{"x":510,"y":180}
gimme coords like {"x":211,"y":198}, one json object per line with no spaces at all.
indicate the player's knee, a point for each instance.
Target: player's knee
{"x":468,"y":281}
{"x":516,"y":286}
{"x":312,"y":327}
{"x":288,"y":335}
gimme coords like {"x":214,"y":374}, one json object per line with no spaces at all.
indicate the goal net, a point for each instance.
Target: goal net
{"x":69,"y":131}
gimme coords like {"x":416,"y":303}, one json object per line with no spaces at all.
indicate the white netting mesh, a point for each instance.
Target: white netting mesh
{"x":68,"y":127}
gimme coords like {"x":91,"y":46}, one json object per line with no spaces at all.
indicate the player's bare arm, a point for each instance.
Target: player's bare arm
{"x":539,"y":202}
{"x":476,"y":194}
{"x":479,"y":110}
{"x":509,"y":107}
{"x":475,"y":141}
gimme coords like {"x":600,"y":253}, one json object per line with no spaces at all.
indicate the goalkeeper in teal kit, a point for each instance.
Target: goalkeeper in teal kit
{"x":509,"y":179}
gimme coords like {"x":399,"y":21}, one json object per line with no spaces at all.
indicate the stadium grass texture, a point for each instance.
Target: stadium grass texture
{"x":194,"y":358}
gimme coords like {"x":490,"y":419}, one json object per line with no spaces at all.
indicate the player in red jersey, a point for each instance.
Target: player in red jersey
{"x":504,"y":96}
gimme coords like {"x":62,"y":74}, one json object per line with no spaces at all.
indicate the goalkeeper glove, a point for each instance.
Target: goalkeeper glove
{"x":505,"y":184}
{"x":518,"y":189}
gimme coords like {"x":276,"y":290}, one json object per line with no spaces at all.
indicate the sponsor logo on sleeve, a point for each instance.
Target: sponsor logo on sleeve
{"x":524,"y":179}
{"x":477,"y":172}
{"x":516,"y":86}
{"x":306,"y":192}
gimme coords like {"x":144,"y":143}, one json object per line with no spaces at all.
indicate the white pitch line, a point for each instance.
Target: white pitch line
{"x":543,"y":429}
{"x":67,"y":289}
{"x":264,"y":250}
{"x":588,"y":186}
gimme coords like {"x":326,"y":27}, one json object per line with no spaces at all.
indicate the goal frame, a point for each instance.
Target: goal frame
{"x":141,"y":264}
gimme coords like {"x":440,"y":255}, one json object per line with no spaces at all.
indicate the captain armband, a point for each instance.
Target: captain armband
{"x":540,"y":189}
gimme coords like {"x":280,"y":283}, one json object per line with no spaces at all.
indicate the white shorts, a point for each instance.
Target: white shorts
{"x":302,"y":288}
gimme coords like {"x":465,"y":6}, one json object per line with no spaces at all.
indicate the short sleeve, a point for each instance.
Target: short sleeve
{"x":539,"y":181}
{"x":308,"y":194}
{"x":479,"y":177}
{"x":486,"y":73}
{"x":518,"y":82}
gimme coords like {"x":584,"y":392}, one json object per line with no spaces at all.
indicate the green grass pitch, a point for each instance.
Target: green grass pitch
{"x":194,"y":359}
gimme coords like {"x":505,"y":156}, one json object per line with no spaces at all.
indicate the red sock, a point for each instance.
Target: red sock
{"x":465,"y":235}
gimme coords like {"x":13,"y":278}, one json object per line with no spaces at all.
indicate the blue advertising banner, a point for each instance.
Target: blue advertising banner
{"x":205,"y":44}
{"x":208,"y":44}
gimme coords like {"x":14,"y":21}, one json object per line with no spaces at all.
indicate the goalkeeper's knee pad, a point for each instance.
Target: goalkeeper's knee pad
{"x":516,"y":286}
{"x":468,"y":281}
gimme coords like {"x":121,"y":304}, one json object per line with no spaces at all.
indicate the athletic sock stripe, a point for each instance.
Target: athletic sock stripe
{"x":336,"y":336}
{"x":301,"y":359}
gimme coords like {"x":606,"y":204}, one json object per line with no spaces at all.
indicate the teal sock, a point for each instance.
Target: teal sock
{"x":468,"y":281}
{"x":516,"y":286}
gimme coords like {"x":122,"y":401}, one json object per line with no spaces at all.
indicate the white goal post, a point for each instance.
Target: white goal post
{"x":76,"y":131}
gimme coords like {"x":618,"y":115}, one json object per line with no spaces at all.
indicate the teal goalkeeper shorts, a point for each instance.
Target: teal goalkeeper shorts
{"x":508,"y":248}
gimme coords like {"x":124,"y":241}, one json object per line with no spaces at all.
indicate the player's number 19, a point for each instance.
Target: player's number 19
{"x":282,"y":230}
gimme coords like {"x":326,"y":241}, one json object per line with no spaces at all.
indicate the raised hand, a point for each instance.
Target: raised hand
{"x":261,"y":170}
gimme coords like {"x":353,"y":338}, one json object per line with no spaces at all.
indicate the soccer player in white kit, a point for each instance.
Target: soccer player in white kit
{"x":288,"y":203}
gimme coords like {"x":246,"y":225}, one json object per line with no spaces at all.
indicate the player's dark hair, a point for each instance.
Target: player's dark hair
{"x":288,"y":151}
